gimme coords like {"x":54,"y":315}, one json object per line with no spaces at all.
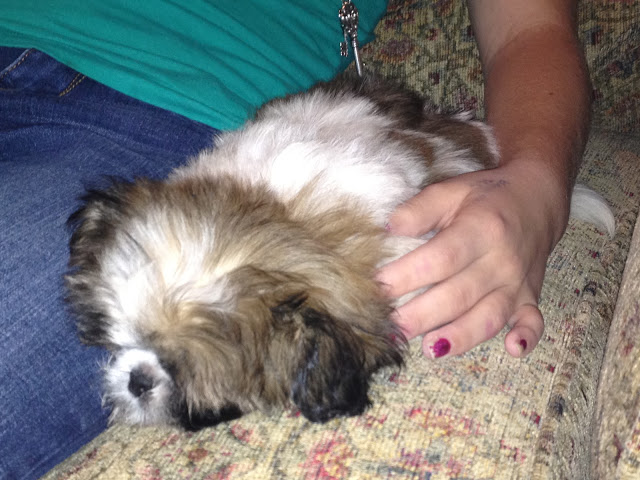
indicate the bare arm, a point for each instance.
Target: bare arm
{"x":537,"y":87}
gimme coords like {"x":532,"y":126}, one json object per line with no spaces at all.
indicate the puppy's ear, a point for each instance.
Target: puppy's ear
{"x":330,"y":377}
{"x":93,"y":226}
{"x":93,"y":223}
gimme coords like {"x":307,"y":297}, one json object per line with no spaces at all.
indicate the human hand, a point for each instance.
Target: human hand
{"x":496,"y":229}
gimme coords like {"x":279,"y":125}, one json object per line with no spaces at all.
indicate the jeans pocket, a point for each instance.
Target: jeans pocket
{"x":10,"y":60}
{"x":35,"y":71}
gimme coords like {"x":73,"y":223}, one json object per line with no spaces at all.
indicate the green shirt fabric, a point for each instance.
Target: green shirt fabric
{"x":214,"y":61}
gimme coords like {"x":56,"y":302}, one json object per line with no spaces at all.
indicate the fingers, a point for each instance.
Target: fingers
{"x":483,"y":267}
{"x":483,"y":322}
{"x":443,"y":256}
{"x":444,"y":302}
{"x":527,"y":329}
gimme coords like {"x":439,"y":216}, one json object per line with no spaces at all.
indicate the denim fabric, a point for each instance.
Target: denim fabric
{"x":59,"y":133}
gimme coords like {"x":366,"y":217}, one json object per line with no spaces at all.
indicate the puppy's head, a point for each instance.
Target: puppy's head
{"x":215,"y":299}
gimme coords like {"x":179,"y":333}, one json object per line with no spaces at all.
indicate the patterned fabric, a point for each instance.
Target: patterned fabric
{"x":429,"y":45}
{"x":610,"y":32}
{"x":616,"y":452}
{"x":483,"y":415}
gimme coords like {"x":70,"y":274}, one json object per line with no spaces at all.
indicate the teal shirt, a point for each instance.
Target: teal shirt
{"x":214,"y":61}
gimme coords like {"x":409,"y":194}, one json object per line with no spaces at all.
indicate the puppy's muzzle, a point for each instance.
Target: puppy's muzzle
{"x":139,"y":382}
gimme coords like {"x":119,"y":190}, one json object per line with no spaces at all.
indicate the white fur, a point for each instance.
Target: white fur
{"x":334,"y":142}
{"x":135,"y":280}
{"x":151,"y":407}
{"x":589,"y":206}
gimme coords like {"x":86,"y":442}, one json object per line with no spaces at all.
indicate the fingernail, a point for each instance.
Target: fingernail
{"x":441,"y":348}
{"x":523,"y":345}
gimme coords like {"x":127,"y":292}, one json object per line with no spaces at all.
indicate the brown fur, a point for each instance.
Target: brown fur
{"x":288,"y":267}
{"x":463,"y":134}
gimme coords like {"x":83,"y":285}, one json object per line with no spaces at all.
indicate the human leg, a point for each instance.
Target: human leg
{"x":60,"y":132}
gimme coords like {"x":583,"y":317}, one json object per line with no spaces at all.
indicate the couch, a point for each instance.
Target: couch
{"x":569,"y":410}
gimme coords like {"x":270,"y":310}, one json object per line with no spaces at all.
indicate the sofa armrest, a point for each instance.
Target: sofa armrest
{"x":616,"y":446}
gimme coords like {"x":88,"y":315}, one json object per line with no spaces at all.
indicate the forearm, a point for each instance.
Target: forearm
{"x":537,"y":97}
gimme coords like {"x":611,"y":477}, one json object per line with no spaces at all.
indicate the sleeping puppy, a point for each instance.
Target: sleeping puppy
{"x":246,"y":280}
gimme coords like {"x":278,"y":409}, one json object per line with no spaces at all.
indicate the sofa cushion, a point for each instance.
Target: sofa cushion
{"x":480,"y":415}
{"x":610,"y":32}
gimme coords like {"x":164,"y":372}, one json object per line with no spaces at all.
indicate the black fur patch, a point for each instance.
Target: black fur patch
{"x":289,"y":305}
{"x":92,"y":226}
{"x":207,"y":418}
{"x":331,"y":379}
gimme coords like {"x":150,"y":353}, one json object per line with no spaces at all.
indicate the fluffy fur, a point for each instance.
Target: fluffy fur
{"x":246,"y":280}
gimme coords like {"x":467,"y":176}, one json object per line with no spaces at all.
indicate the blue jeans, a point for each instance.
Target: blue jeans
{"x":59,"y":133}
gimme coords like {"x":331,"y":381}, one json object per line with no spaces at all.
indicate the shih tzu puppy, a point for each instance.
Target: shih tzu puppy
{"x":246,"y":280}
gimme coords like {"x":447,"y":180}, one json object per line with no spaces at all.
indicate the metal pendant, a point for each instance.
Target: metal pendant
{"x":348,"y":16}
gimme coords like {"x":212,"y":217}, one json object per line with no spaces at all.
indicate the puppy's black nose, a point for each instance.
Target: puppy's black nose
{"x":139,"y":382}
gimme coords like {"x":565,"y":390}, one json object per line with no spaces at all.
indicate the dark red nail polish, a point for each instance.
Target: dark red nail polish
{"x":441,"y":348}
{"x":523,"y":344}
